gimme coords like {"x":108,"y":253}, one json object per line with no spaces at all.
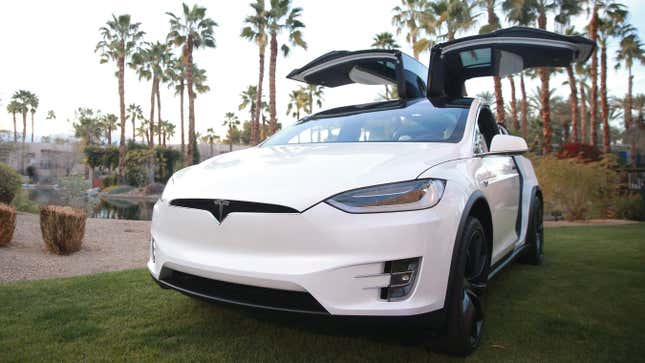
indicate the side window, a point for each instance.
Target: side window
{"x":479,"y":146}
{"x":487,"y":128}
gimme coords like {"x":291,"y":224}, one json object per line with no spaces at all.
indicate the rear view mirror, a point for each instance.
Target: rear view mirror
{"x":507,"y":144}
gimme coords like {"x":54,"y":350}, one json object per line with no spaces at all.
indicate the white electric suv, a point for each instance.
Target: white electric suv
{"x":395,"y":208}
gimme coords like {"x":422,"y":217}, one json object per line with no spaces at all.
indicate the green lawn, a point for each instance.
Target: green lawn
{"x":586,"y":303}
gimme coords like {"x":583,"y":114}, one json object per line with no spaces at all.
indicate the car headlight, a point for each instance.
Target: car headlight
{"x":394,"y":197}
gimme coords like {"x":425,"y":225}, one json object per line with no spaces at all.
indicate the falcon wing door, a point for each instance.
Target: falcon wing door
{"x":372,"y":67}
{"x":500,"y":53}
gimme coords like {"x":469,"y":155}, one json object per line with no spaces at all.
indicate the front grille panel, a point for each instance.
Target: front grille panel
{"x":254,"y":296}
{"x":220,"y":211}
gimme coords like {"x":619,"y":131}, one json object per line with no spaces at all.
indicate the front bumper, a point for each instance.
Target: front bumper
{"x":335,"y":257}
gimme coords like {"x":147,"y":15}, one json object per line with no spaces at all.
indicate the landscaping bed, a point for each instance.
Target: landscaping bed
{"x":586,"y":303}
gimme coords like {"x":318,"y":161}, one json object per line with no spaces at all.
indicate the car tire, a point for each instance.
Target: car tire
{"x":464,"y":308}
{"x":534,"y":254}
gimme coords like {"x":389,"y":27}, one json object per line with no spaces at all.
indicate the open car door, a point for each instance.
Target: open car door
{"x":372,"y":67}
{"x":500,"y":53}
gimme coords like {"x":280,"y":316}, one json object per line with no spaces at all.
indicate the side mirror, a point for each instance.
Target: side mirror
{"x":507,"y":144}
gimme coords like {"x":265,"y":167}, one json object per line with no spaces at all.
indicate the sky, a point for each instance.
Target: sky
{"x":48,"y":48}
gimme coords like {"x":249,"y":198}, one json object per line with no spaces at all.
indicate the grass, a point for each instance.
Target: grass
{"x":586,"y":303}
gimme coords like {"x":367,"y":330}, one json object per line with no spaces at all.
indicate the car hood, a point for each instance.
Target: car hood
{"x":299,"y":176}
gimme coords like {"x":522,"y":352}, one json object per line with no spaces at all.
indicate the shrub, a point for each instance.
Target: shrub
{"x":136,"y":170}
{"x":108,"y":181}
{"x":576,"y":189}
{"x":581,"y":151}
{"x":7,"y":223}
{"x":630,"y":207}
{"x":63,"y":228}
{"x":9,"y":183}
{"x":22,"y":203}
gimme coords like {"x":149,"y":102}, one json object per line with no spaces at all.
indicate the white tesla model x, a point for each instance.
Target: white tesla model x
{"x":395,"y":208}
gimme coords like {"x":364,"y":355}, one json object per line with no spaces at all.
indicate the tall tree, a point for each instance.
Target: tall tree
{"x":231,"y":122}
{"x":22,"y":97}
{"x":384,"y":40}
{"x":298,"y":101}
{"x":150,"y":63}
{"x":51,"y":115}
{"x":108,"y":124}
{"x":282,"y":18}
{"x":248,"y":99}
{"x":13,"y":108}
{"x":32,"y":103}
{"x":314,"y":96}
{"x":120,"y":39}
{"x":630,"y":51}
{"x":610,"y":24}
{"x":210,"y":138}
{"x":492,"y":25}
{"x":583,"y":78}
{"x":256,"y":31}
{"x":191,"y":30}
{"x":134,"y":113}
{"x":413,"y":16}
{"x":177,"y":78}
{"x":520,"y":12}
{"x":593,"y":98}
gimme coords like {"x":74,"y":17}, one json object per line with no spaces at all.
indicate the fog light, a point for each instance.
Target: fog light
{"x":402,"y":276}
{"x":153,"y":247}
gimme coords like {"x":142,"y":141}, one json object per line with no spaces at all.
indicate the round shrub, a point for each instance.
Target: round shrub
{"x":63,"y":228}
{"x":9,"y":183}
{"x":7,"y":223}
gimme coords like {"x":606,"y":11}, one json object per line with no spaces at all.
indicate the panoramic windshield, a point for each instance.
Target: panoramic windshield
{"x":418,"y":122}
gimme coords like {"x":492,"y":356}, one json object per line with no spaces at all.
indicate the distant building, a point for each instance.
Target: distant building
{"x":50,"y":161}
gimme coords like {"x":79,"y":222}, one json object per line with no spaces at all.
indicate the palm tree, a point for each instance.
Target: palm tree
{"x":108,"y":124}
{"x":248,"y":99}
{"x":492,"y":25}
{"x":256,"y":31}
{"x":143,"y":133}
{"x":518,"y":12}
{"x":314,"y":92}
{"x":231,"y":122}
{"x":282,"y":17}
{"x":120,"y":39}
{"x":13,"y":108}
{"x":592,"y":28}
{"x":192,"y":30}
{"x":22,"y":97}
{"x":630,"y":50}
{"x":32,"y":103}
{"x":210,"y":138}
{"x":452,"y":17}
{"x":610,"y":24}
{"x":150,"y":63}
{"x":177,"y":78}
{"x":413,"y":16}
{"x":51,"y":115}
{"x":384,"y":40}
{"x":169,"y":132}
{"x":583,"y":75}
{"x":134,"y":113}
{"x":298,"y":100}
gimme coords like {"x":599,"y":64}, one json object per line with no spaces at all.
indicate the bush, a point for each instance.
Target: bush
{"x":576,"y":189}
{"x":630,"y":207}
{"x":22,"y":203}
{"x":581,"y":151}
{"x":9,"y":183}
{"x":136,"y":170}
{"x":7,"y":223}
{"x":108,"y":181}
{"x":100,"y":156}
{"x":63,"y":228}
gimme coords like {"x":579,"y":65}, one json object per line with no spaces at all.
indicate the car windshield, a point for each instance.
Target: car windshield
{"x":418,"y":122}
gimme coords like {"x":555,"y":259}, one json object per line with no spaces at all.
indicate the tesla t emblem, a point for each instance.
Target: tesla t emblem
{"x":220,"y":203}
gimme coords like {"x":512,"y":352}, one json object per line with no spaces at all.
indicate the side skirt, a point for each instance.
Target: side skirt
{"x":507,"y":260}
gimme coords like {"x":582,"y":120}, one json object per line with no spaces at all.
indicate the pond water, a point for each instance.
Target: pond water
{"x":99,"y":207}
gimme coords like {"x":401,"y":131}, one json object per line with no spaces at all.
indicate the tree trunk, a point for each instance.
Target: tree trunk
{"x":273,"y":58}
{"x":544,"y":96}
{"x":604,"y":108}
{"x":191,"y":101}
{"x":24,"y":127}
{"x":158,"y":110}
{"x":584,"y":124}
{"x":134,"y":128}
{"x":629,"y":122}
{"x":181,"y":116}
{"x":121,"y":170}
{"x":499,"y":100}
{"x":593,"y":100}
{"x":415,"y":51}
{"x":525,"y":116}
{"x":15,"y":129}
{"x":573,"y":104}
{"x":255,"y":123}
{"x":514,"y":121}
{"x":32,"y":127}
{"x":109,"y":135}
{"x":151,"y":131}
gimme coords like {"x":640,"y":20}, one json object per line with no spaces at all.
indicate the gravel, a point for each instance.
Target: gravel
{"x":109,"y":245}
